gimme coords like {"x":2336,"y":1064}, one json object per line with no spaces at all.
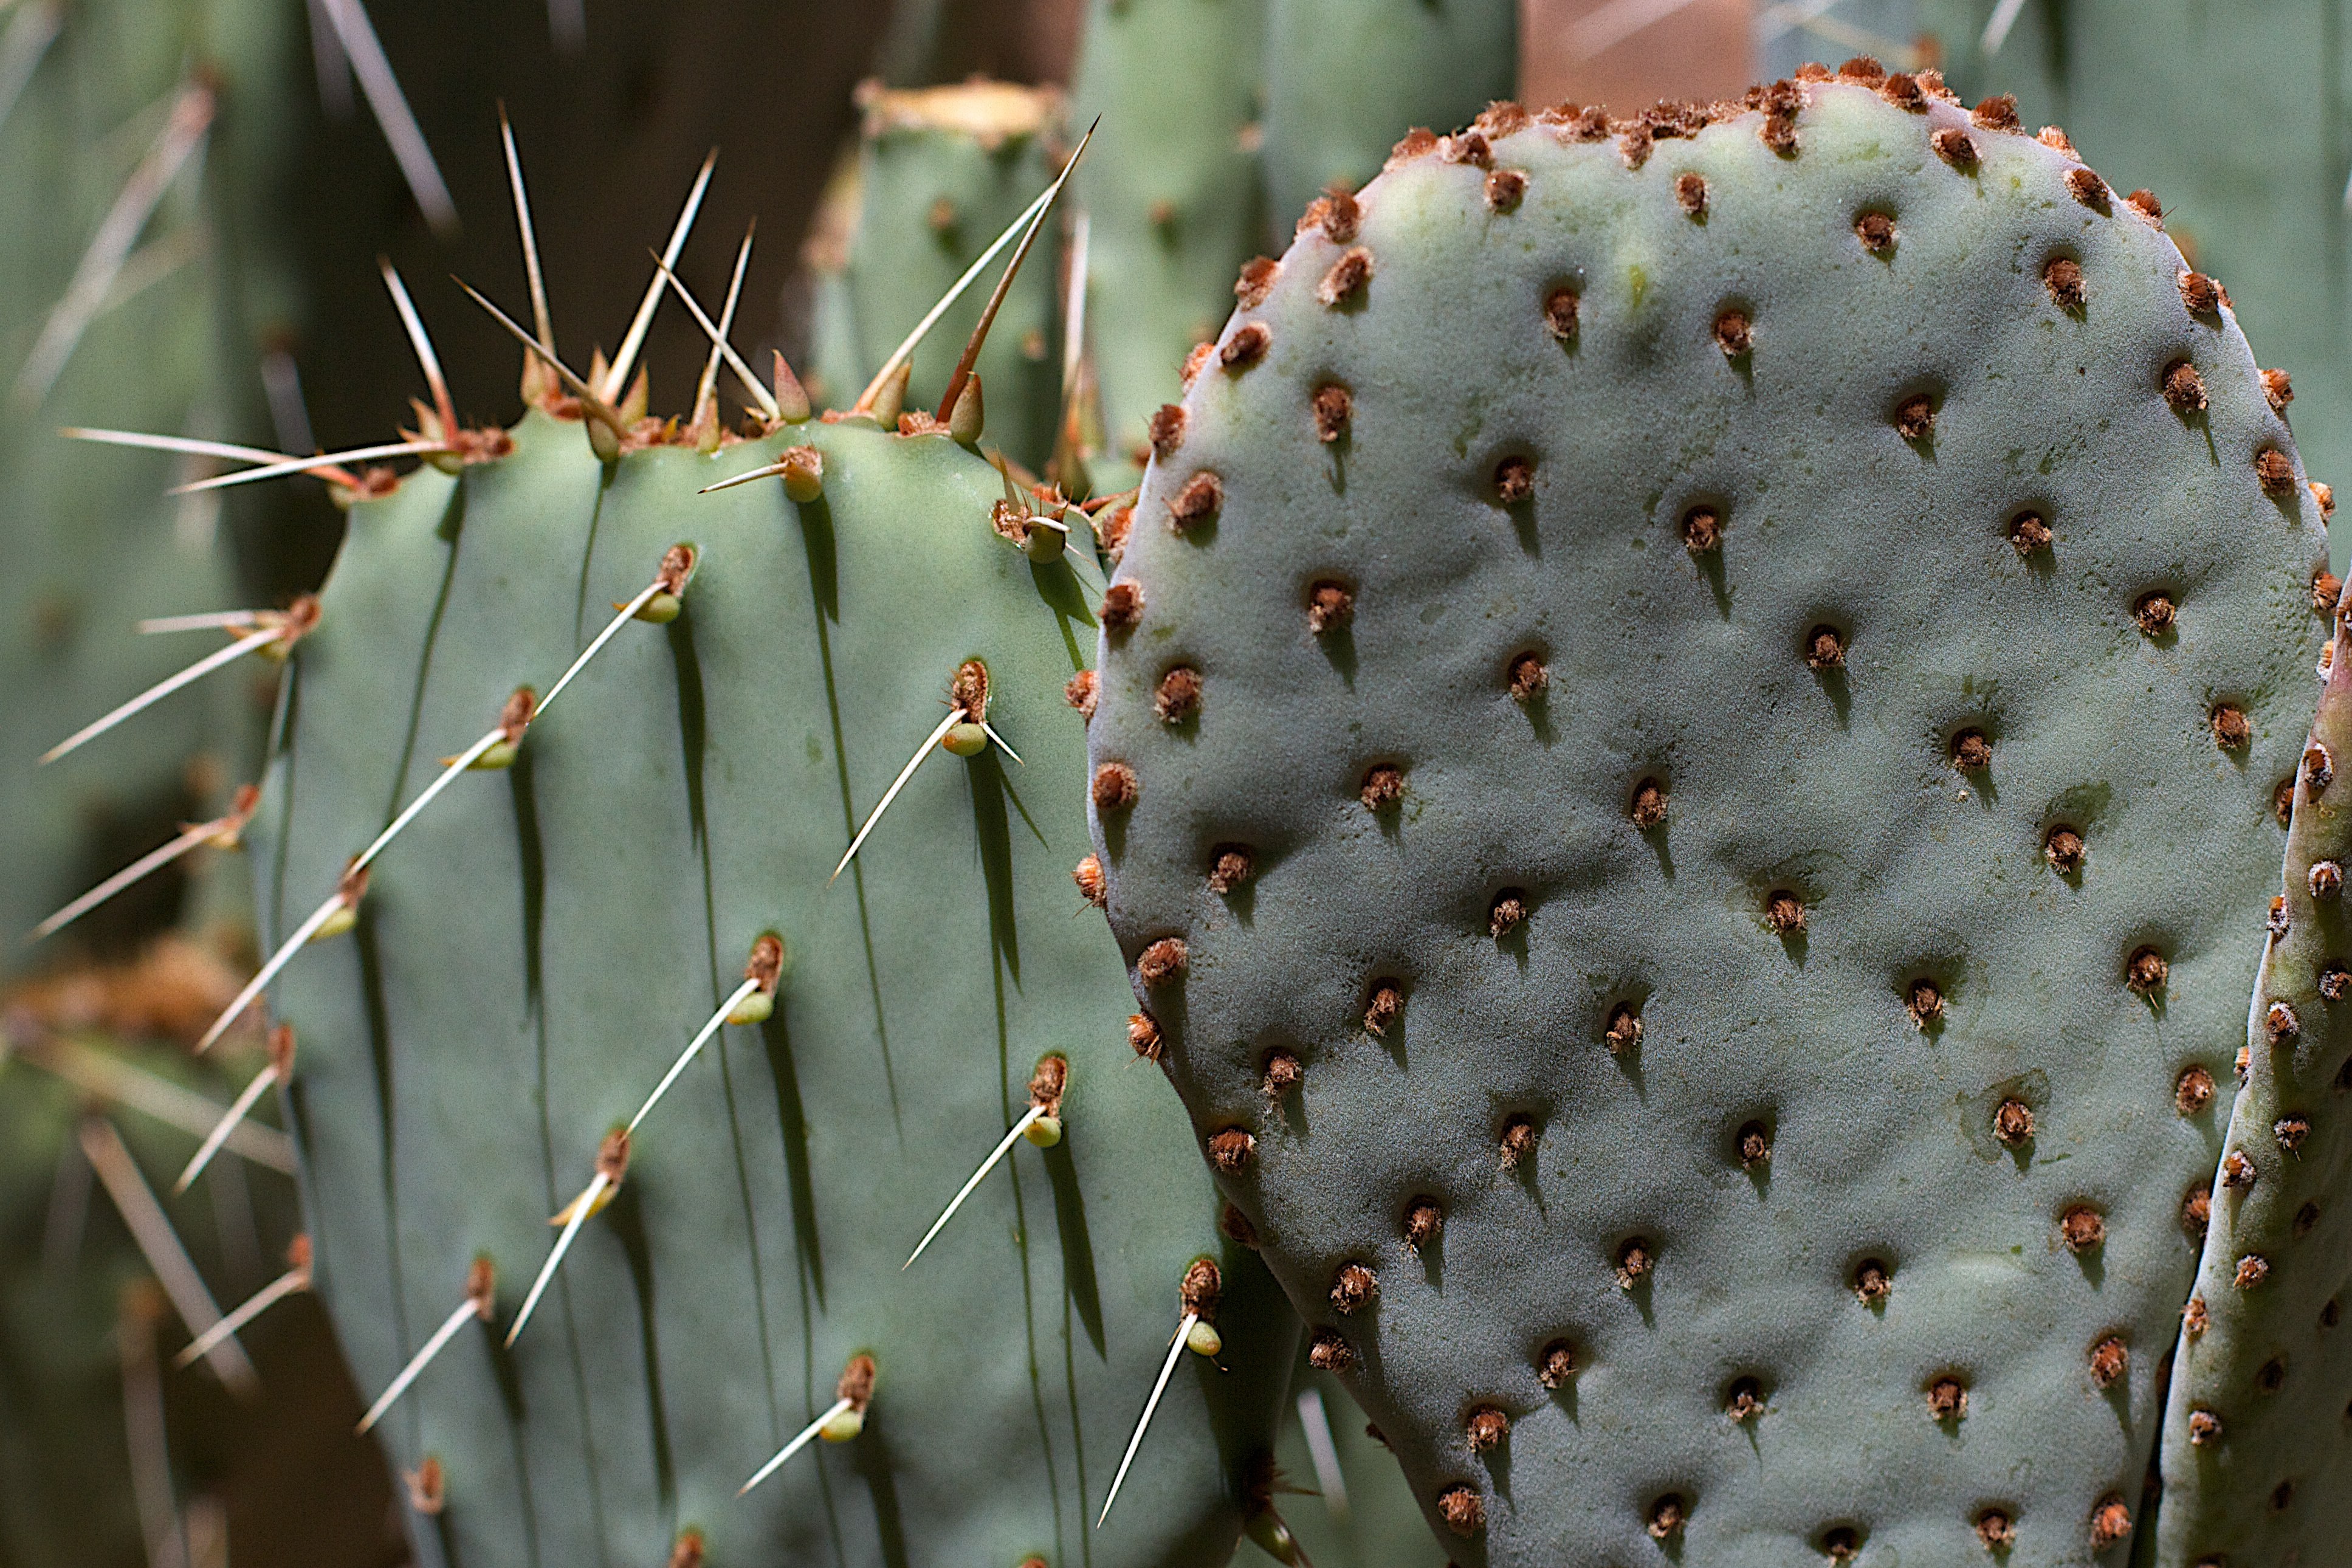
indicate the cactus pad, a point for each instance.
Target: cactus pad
{"x":1687,"y":761}
{"x":2257,"y":1454}
{"x":531,"y":954}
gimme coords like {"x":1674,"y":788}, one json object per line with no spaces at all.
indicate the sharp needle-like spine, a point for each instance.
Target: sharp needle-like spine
{"x":1167,"y":1370}
{"x":1997,"y":25}
{"x":237,"y":1111}
{"x":422,"y":342}
{"x":955,"y":716}
{"x":616,"y":379}
{"x":1074,"y":311}
{"x":306,"y":465}
{"x":146,"y":866}
{"x":188,"y":444}
{"x":278,"y":960}
{"x":947,"y":301}
{"x":1316,"y":1423}
{"x":1004,"y":281}
{"x":451,"y":771}
{"x":706,"y":392}
{"x":152,"y":1229}
{"x":184,"y":130}
{"x":99,"y":1073}
{"x":801,"y":1439}
{"x":693,"y":1049}
{"x":361,"y":47}
{"x":204,"y":621}
{"x":990,"y":730}
{"x":582,"y":1207}
{"x":292,"y":1282}
{"x":1003,"y":1147}
{"x":591,"y":401}
{"x":626,"y":613}
{"x":162,"y":689}
{"x":766,"y":471}
{"x":540,"y":317}
{"x":417,"y":1363}
{"x":716,"y":333}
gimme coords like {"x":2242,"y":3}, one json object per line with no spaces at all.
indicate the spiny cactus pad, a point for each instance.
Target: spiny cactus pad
{"x":941,"y":171}
{"x":533,"y":953}
{"x":2258,"y":1433}
{"x":1730,"y":672}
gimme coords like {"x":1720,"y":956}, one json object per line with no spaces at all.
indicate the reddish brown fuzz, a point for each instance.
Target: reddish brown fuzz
{"x":1335,"y":407}
{"x":2082,"y":1228}
{"x":1915,"y":417}
{"x":2063,"y":849}
{"x":1328,"y":605}
{"x":1179,"y":697}
{"x":2063,"y":279}
{"x":1702,"y":530}
{"x":1649,"y":808}
{"x":1528,"y":678}
{"x":1162,"y":961}
{"x":1353,"y":1288}
{"x":1559,"y":313}
{"x":1344,"y":283}
{"x":1115,"y":787}
{"x":1515,"y":481}
{"x":1734,"y":334}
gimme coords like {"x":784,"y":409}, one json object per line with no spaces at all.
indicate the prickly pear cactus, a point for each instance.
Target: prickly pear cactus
{"x":2257,"y":1459}
{"x":2257,"y":201}
{"x":940,"y":171}
{"x":1171,"y":190}
{"x":134,"y":147}
{"x":1345,"y":78}
{"x":1687,"y":758}
{"x":532,"y":952}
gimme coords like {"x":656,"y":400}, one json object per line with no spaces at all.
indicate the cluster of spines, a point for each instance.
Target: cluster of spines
{"x":613,"y":408}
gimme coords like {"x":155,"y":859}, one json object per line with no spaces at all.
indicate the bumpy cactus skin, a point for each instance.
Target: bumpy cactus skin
{"x":533,"y":953}
{"x":2226,"y":111}
{"x":1170,"y":187}
{"x":940,"y":171}
{"x":1738,"y":680}
{"x":1345,"y":78}
{"x":2257,"y":1460}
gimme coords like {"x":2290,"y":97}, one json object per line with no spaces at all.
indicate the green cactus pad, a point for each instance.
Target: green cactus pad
{"x":940,"y":171}
{"x":1346,"y":78}
{"x":1721,"y":793}
{"x":533,"y":953}
{"x":2258,"y":1432}
{"x":1170,"y":188}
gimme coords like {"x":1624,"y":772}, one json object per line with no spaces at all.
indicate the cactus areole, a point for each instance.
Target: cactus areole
{"x":1667,"y":608}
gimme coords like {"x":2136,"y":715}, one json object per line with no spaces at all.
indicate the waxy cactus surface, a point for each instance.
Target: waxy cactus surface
{"x":1689,"y":762}
{"x":531,"y":956}
{"x":2256,"y":1463}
